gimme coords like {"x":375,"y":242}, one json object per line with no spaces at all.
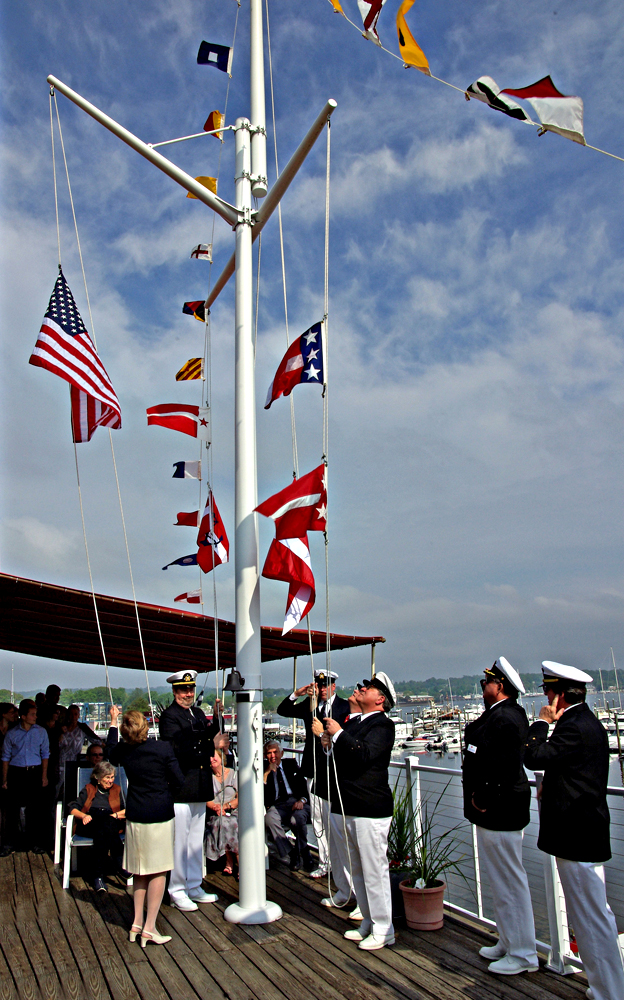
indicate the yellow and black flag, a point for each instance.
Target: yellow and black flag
{"x":194,"y":368}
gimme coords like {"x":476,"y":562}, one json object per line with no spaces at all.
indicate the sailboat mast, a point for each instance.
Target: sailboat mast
{"x":617,"y":685}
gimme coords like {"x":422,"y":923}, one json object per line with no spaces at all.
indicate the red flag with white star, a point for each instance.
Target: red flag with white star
{"x":184,"y":417}
{"x":297,"y":509}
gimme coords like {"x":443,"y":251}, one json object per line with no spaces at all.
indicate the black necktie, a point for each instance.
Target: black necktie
{"x":281,"y":784}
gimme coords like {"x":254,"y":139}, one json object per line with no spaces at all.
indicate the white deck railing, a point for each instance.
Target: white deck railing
{"x":469,"y":896}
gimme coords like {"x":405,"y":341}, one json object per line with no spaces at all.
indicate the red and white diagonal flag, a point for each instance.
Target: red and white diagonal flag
{"x":214,"y":547}
{"x":370,"y":11}
{"x":288,"y":559}
{"x":184,"y":417}
{"x":297,"y":509}
{"x":191,"y":597}
{"x":300,"y":507}
{"x":65,"y":348}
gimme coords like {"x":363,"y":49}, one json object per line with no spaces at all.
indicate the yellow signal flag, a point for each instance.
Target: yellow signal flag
{"x":411,"y":52}
{"x":337,"y":7}
{"x":194,"y":368}
{"x":208,"y":182}
{"x":215,"y":120}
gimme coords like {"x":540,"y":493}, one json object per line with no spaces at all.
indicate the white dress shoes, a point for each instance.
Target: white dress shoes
{"x":376,"y":941}
{"x":320,"y":872}
{"x":333,"y":901}
{"x":508,"y":966}
{"x":356,"y":914}
{"x":355,"y":935}
{"x":495,"y":951}
{"x":182,"y":902}
{"x":200,"y":896}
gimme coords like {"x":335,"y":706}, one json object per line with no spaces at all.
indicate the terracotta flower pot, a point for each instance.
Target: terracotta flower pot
{"x":424,"y":908}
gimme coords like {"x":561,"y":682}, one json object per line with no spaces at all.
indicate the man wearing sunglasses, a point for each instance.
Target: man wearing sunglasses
{"x":497,"y":800}
{"x":194,"y":742}
{"x":574,"y":818}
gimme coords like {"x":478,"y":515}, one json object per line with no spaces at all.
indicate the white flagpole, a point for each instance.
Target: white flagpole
{"x":250,"y":176}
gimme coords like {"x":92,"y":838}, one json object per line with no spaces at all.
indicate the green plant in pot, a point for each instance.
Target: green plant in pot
{"x":430,"y":856}
{"x":400,"y":845}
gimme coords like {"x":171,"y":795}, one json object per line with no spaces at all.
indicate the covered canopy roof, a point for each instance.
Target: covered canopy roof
{"x":41,"y":619}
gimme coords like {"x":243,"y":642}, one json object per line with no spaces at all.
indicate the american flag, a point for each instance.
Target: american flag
{"x":65,"y":348}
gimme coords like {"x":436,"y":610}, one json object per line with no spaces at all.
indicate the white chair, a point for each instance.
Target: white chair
{"x":72,"y":840}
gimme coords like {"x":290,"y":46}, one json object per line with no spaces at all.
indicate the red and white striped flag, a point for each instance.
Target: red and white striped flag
{"x":192,"y":420}
{"x":65,"y":348}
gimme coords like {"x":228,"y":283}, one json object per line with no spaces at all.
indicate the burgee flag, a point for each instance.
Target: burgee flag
{"x":194,"y":368}
{"x":203,"y":251}
{"x":191,"y":597}
{"x":65,"y":348}
{"x":208,"y":182}
{"x":215,"y":120}
{"x":300,"y":507}
{"x":196,"y":309}
{"x":183,"y":561}
{"x":188,"y":518}
{"x":370,"y":11}
{"x":297,"y":509}
{"x":184,"y":417}
{"x":214,"y":547}
{"x":556,"y":112}
{"x":302,"y":363}
{"x":219,"y":56}
{"x":187,"y":470}
{"x":411,"y":52}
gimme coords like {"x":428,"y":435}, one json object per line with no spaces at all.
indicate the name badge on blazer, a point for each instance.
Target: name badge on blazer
{"x":471,"y":748}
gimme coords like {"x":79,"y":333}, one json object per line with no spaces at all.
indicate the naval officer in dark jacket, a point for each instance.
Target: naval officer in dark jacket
{"x":194,"y":742}
{"x":323,"y":692}
{"x":574,"y":818}
{"x":362,"y":749}
{"x":497,"y":800}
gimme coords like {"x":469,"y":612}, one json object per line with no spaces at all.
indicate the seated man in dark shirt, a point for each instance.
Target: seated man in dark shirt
{"x":286,"y":804}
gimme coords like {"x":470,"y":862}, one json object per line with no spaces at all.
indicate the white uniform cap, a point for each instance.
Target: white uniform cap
{"x":562,"y":672}
{"x":324,"y":675}
{"x":512,"y":675}
{"x":383,"y":678}
{"x":182,"y":677}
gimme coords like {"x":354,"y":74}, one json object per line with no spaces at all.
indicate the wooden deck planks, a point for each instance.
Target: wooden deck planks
{"x":58,"y":945}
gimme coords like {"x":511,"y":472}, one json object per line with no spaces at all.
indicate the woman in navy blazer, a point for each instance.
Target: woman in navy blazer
{"x":154,"y":776}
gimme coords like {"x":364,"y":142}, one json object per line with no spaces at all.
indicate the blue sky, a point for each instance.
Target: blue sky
{"x":476,"y":302}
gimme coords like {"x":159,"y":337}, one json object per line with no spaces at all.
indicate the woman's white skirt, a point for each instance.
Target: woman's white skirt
{"x":148,"y":848}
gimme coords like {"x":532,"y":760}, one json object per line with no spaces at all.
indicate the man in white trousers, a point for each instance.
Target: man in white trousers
{"x":194,"y":742}
{"x":362,"y":753}
{"x":497,"y":800}
{"x":313,"y":762}
{"x":574,"y":819}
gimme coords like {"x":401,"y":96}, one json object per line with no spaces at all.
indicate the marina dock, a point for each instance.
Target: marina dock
{"x":74,"y":944}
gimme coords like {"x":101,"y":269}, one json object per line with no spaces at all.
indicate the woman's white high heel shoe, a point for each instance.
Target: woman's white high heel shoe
{"x":154,"y":938}
{"x":134,"y":930}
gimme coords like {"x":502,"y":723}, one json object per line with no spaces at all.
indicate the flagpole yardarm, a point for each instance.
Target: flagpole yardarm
{"x":58,"y":230}
{"x":123,"y":521}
